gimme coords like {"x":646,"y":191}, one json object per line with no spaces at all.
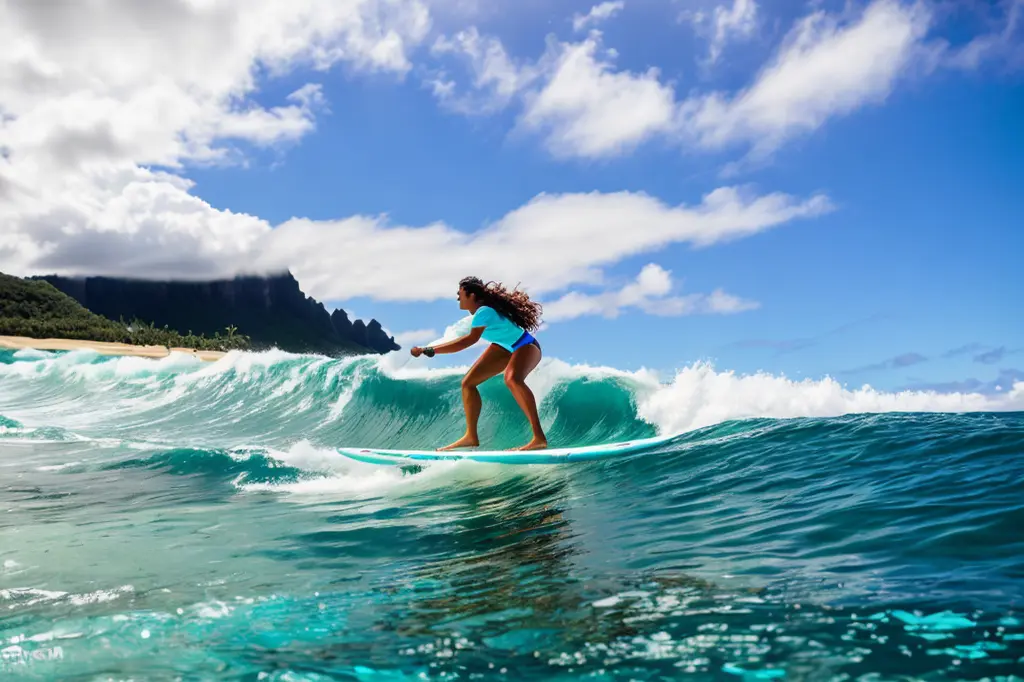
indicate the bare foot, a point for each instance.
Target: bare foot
{"x":464,"y":442}
{"x":535,"y":444}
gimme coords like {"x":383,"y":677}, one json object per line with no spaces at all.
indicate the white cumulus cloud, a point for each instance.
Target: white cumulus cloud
{"x":103,"y":104}
{"x":412,"y":337}
{"x":597,"y":14}
{"x":1003,"y":42}
{"x":587,"y":108}
{"x":97,"y":97}
{"x":583,"y":105}
{"x":496,"y":77}
{"x":550,"y":243}
{"x":649,"y":293}
{"x":725,"y":24}
{"x":573,"y":95}
{"x":824,"y":69}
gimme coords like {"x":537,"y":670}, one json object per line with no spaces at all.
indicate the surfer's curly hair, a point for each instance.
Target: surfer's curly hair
{"x":515,"y":305}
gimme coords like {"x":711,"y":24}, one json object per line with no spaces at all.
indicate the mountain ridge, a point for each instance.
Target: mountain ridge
{"x":272,"y":310}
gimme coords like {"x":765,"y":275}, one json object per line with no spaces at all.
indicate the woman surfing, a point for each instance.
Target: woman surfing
{"x":505,"y":319}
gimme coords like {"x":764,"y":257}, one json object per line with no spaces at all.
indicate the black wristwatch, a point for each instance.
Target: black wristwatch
{"x":428,"y":351}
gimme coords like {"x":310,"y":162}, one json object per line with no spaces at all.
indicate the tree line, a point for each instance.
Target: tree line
{"x":37,"y":309}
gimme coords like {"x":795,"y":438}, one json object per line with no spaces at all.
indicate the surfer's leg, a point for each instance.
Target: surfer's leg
{"x":524,"y":360}
{"x":490,"y":363}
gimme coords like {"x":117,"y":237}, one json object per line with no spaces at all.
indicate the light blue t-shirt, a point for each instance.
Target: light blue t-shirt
{"x":498,"y":328}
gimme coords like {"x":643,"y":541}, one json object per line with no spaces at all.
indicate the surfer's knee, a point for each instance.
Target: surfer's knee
{"x":512,"y":379}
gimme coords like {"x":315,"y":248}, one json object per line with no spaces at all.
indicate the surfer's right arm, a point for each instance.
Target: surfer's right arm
{"x":453,"y":346}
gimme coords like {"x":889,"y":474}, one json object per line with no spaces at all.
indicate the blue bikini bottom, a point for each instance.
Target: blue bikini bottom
{"x":525,"y":339}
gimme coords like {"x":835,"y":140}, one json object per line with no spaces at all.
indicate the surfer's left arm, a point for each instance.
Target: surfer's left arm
{"x":453,"y":346}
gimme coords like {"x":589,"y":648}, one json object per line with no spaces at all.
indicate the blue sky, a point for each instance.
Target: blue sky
{"x":893,"y":131}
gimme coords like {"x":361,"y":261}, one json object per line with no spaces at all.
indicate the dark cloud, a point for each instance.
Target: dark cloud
{"x":962,"y":350}
{"x":908,"y":359}
{"x":71,"y":148}
{"x":904,"y":360}
{"x":117,"y":254}
{"x":1002,"y":383}
{"x":966,"y":386}
{"x":991,"y":357}
{"x":783,"y":346}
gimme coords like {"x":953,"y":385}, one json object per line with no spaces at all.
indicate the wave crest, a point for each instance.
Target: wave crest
{"x":276,"y":398}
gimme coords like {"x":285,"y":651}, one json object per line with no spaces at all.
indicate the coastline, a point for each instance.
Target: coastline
{"x":104,"y":347}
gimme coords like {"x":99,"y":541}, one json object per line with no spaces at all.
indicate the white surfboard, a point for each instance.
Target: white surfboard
{"x":546,"y":456}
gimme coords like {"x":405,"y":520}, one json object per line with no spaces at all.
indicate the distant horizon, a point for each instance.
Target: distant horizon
{"x":805,"y":189}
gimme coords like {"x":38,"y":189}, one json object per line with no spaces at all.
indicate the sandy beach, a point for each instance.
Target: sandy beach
{"x":104,"y":347}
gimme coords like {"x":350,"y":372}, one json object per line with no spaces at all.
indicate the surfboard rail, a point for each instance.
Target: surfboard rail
{"x":546,"y":456}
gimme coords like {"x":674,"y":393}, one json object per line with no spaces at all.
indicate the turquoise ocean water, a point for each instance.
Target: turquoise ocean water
{"x":178,"y":520}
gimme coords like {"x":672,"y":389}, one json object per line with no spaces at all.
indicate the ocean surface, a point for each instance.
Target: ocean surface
{"x":178,"y":520}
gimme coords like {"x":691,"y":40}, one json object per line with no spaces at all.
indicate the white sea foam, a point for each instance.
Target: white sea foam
{"x":32,"y":354}
{"x":698,"y":396}
{"x":29,"y":596}
{"x":347,"y":479}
